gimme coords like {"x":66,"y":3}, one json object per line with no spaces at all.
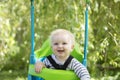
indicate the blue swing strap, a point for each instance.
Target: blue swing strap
{"x":32,"y":59}
{"x":86,"y":35}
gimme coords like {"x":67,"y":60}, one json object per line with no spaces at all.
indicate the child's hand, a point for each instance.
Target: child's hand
{"x":39,"y":66}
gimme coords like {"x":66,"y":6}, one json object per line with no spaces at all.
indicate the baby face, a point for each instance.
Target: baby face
{"x":62,"y":45}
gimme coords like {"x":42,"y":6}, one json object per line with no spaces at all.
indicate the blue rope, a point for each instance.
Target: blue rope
{"x":32,"y":59}
{"x":86,"y":37}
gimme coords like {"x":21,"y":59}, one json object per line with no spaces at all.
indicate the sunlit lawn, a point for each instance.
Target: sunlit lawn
{"x":13,"y":75}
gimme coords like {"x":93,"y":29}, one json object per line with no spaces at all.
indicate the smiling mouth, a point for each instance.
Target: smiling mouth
{"x":60,"y":50}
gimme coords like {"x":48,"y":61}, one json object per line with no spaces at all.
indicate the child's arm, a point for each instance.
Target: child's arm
{"x":80,"y":70}
{"x":38,"y":66}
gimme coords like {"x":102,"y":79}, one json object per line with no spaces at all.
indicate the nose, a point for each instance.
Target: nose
{"x":60,"y":45}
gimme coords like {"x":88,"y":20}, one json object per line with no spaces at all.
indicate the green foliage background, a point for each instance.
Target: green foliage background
{"x":104,"y":30}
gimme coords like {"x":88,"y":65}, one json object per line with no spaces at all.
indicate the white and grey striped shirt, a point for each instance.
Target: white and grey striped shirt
{"x":79,"y":69}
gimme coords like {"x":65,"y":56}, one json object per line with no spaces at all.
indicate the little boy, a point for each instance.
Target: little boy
{"x":62,"y":43}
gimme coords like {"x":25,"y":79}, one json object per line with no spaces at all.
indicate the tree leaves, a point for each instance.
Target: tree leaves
{"x":104,"y":30}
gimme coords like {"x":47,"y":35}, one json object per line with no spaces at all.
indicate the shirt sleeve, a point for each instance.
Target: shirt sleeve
{"x":80,"y":70}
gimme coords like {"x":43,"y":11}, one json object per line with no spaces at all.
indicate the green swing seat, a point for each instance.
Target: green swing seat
{"x":53,"y":74}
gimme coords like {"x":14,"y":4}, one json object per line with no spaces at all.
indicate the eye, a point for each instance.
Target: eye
{"x":55,"y":43}
{"x":64,"y":43}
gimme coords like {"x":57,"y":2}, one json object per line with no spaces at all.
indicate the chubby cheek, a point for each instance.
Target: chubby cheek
{"x":54,"y":49}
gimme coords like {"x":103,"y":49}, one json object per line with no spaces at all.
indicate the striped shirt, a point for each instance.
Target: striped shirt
{"x":79,"y":69}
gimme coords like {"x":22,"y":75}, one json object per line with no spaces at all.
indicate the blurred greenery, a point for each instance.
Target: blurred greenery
{"x":13,"y":75}
{"x":104,"y":29}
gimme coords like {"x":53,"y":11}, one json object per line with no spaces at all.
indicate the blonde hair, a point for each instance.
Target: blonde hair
{"x":62,"y":31}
